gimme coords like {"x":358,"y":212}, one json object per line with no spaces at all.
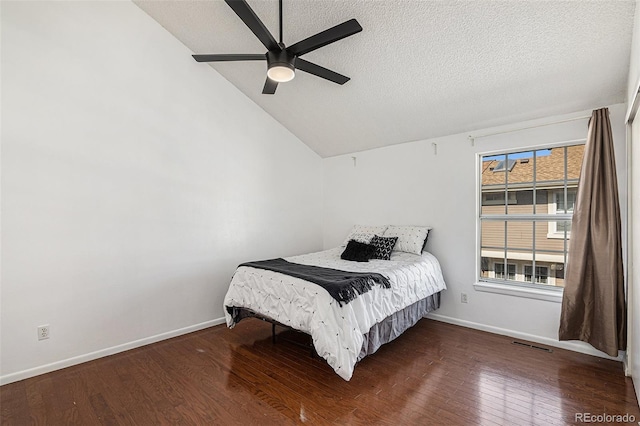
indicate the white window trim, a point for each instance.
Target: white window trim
{"x":552,"y":294}
{"x":532,"y":291}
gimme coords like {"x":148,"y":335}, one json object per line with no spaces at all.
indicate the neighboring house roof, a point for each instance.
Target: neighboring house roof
{"x":548,"y":168}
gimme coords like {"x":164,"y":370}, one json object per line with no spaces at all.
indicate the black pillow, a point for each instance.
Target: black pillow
{"x":357,"y":251}
{"x":384,"y":246}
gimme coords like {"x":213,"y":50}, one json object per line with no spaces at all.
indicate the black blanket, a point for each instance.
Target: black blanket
{"x":343,"y":286}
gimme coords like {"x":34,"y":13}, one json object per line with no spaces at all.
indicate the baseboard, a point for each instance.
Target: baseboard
{"x":47,"y":368}
{"x":626,"y":364}
{"x":571,"y":346}
{"x":58,"y":365}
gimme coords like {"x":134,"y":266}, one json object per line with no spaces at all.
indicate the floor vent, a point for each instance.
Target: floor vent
{"x":515,"y":342}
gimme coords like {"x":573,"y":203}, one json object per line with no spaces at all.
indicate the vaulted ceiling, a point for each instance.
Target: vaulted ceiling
{"x":420,"y":69}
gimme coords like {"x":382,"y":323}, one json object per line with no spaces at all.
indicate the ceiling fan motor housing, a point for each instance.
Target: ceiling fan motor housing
{"x":281,"y":58}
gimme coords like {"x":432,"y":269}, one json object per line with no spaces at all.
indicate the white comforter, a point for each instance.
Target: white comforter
{"x":337,"y":331}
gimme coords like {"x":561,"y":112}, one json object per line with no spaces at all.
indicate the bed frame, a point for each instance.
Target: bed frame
{"x":383,"y":332}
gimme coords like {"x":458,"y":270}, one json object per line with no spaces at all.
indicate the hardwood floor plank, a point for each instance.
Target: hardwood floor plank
{"x":72,"y":397}
{"x":103,"y":412}
{"x":14,"y":405}
{"x":435,"y":373}
{"x":225,"y":390}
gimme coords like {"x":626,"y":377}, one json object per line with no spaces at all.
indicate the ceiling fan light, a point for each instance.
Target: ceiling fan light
{"x":281,"y":73}
{"x":281,"y":65}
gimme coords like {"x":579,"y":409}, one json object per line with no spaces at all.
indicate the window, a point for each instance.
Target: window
{"x":526,"y":207}
{"x":497,"y":198}
{"x":504,"y":165}
{"x":542,"y":274}
{"x":511,"y":271}
{"x":498,"y":269}
{"x":557,"y":206}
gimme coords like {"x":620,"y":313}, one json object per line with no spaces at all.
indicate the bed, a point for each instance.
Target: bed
{"x":342,"y":333}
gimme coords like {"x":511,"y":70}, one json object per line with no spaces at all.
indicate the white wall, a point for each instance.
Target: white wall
{"x":633,"y":301}
{"x":409,"y":184}
{"x":134,"y":180}
{"x":633,"y":285}
{"x":634,"y":62}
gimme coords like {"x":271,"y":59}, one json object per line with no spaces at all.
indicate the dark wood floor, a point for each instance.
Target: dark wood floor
{"x":435,"y":373}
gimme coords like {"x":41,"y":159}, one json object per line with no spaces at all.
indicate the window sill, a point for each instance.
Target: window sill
{"x":512,"y":290}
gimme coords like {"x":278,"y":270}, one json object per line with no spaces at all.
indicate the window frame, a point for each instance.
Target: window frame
{"x":553,"y":209}
{"x":505,"y":286}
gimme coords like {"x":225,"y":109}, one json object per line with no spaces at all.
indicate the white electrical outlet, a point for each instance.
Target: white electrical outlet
{"x":43,"y":332}
{"x":463,"y":298}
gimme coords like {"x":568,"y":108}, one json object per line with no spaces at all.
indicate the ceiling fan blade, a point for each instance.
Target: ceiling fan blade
{"x":230,"y":57}
{"x":325,"y":37}
{"x":270,"y":87}
{"x":314,"y":69}
{"x":251,"y":20}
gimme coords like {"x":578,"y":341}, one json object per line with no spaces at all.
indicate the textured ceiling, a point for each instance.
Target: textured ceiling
{"x":420,"y":69}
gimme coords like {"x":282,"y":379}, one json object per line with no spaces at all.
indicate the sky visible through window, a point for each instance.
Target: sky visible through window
{"x":517,"y":155}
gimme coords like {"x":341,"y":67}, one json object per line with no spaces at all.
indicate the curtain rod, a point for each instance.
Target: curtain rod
{"x":473,"y":138}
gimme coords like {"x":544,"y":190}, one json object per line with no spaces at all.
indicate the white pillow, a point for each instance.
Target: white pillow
{"x":364,"y":233}
{"x":411,"y":239}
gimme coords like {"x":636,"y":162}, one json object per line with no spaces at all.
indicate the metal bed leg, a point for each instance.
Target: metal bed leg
{"x":312,"y":350}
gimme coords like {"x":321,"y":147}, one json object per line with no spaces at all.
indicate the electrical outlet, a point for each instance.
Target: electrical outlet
{"x":463,"y":298}
{"x":43,"y":332}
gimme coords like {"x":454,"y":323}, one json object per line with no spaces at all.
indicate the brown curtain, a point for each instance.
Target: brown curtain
{"x":593,"y":306}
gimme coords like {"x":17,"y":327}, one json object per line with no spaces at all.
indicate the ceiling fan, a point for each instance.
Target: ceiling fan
{"x":282,"y":61}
